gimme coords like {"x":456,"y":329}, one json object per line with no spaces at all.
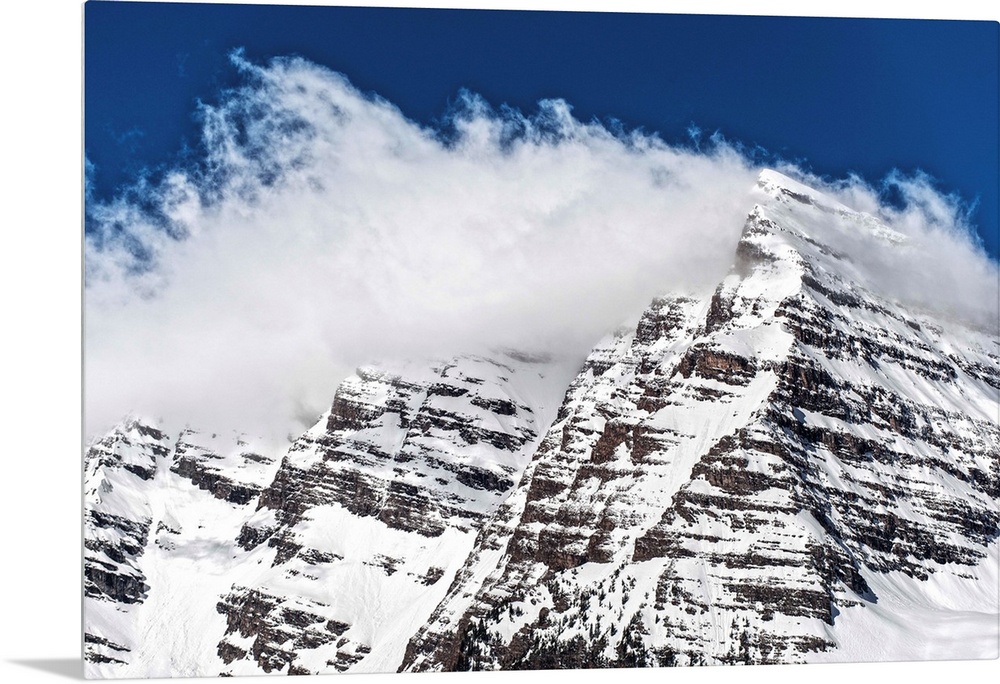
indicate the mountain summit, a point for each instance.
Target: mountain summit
{"x":794,"y":467}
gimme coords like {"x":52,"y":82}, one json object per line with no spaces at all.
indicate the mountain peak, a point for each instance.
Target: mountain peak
{"x":785,"y":189}
{"x":782,"y":193}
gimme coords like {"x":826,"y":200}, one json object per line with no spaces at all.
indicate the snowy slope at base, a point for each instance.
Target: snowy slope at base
{"x":946,"y":617}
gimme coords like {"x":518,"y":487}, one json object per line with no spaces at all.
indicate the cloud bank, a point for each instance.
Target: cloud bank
{"x":323,"y":230}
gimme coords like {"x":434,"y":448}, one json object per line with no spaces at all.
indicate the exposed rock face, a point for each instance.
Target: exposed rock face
{"x":383,"y":496}
{"x":416,"y":455}
{"x":770,"y":472}
{"x":725,"y":480}
{"x":234,"y":475}
{"x":115,"y":533}
{"x":115,"y":537}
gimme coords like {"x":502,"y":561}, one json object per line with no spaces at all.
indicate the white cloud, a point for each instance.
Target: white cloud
{"x":941,"y":268}
{"x":326,"y":230}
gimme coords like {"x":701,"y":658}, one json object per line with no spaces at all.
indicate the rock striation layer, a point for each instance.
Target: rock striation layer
{"x":375,"y":508}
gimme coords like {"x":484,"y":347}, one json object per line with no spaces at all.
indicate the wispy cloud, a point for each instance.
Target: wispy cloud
{"x":323,"y":230}
{"x":941,"y":268}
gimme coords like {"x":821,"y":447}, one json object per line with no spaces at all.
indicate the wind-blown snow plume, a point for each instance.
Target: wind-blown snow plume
{"x":323,"y":229}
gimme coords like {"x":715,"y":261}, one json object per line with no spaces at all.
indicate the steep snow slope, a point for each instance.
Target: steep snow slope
{"x":782,"y":471}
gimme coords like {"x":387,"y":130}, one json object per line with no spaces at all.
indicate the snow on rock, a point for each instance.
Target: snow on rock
{"x":375,"y":509}
{"x":787,"y":468}
{"x":160,"y":548}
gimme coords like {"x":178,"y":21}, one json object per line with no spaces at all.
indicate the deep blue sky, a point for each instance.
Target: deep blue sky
{"x":838,"y":95}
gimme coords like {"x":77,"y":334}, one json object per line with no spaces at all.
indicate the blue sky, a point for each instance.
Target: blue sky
{"x":834,"y":95}
{"x":354,"y":186}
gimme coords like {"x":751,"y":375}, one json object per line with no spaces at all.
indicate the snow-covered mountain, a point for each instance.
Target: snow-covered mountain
{"x":783,"y":471}
{"x":790,"y":468}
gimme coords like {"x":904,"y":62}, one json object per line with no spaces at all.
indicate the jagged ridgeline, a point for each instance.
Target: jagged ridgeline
{"x":790,"y":468}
